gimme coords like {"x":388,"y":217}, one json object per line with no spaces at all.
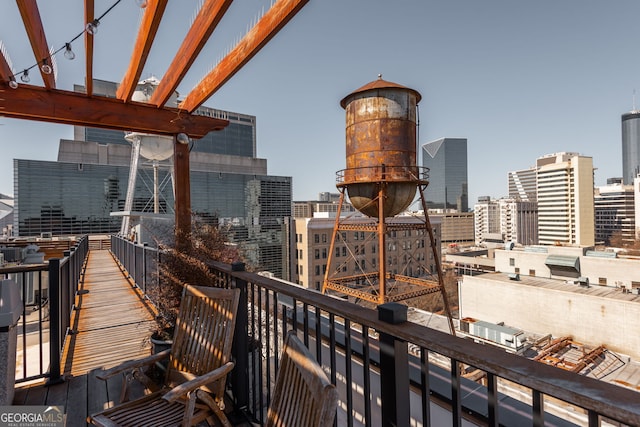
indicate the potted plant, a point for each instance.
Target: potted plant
{"x":186,"y":265}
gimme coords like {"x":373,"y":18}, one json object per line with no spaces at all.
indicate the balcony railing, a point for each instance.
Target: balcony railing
{"x":48,"y":293}
{"x":401,"y":374}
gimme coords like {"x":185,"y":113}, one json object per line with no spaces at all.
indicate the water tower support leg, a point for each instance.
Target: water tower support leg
{"x":336,"y":225}
{"x":382,"y":232}
{"x":436,"y":258}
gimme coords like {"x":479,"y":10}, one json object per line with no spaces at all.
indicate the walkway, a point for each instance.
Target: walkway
{"x":112,"y":325}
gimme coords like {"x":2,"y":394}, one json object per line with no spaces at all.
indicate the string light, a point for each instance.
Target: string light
{"x":92,"y":27}
{"x":45,"y":66}
{"x":68,"y":53}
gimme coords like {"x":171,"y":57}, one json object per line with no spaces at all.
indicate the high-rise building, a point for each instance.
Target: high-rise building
{"x":615,"y":213}
{"x":636,"y":197}
{"x":514,"y":220}
{"x":229,"y":187}
{"x":6,"y":216}
{"x":446,"y":159}
{"x":630,"y":146}
{"x":456,"y":228}
{"x":486,"y":218}
{"x":522,"y":185}
{"x":565,"y":199}
{"x":519,"y":221}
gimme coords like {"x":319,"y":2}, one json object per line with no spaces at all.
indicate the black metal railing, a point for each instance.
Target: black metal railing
{"x":404,"y":373}
{"x":48,"y":294}
{"x":139,"y":261}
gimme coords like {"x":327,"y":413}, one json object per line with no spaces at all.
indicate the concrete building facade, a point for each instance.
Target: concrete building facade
{"x":313,"y":240}
{"x":523,"y":185}
{"x":516,"y":221}
{"x":486,"y":218}
{"x":593,"y":296}
{"x":615,"y":208}
{"x":565,"y":199}
{"x":571,"y":263}
{"x":594,"y":315}
{"x":456,"y":228}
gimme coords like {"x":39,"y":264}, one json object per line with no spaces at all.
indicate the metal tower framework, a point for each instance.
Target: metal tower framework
{"x":377,"y":285}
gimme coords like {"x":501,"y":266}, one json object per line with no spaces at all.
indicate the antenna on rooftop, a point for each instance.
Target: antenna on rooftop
{"x":634,"y":100}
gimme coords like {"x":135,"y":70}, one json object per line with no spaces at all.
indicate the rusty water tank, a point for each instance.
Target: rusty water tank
{"x":380,"y":147}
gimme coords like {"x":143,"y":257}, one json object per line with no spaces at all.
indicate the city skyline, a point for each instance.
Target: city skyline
{"x":517,"y":81}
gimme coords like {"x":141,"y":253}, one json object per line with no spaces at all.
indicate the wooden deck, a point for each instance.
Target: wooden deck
{"x":111,"y":325}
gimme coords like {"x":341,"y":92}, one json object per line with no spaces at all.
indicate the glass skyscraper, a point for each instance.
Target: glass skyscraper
{"x":229,"y":186}
{"x":630,"y":146}
{"x":446,"y":159}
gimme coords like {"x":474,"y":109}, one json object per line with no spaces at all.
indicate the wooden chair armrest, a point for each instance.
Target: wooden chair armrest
{"x":184,"y":388}
{"x":133,"y":364}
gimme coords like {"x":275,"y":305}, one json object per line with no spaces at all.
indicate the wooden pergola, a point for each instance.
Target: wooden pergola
{"x":50,"y":104}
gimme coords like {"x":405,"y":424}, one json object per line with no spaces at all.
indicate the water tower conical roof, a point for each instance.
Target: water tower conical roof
{"x":379,"y":84}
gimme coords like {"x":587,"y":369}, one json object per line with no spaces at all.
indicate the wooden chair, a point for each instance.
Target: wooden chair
{"x":303,"y":394}
{"x":199,"y":361}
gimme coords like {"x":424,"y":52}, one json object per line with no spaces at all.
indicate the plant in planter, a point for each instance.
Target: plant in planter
{"x":188,"y":264}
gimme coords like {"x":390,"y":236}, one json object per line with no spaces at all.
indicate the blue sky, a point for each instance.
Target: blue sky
{"x":517,"y":79}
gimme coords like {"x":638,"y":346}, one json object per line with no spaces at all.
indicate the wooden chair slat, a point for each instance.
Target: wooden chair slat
{"x":202,"y":343}
{"x":303,"y":394}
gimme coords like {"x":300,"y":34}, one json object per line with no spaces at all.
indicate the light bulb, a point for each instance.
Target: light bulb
{"x":92,"y":27}
{"x":13,"y":84}
{"x":68,"y":53}
{"x":45,"y":67}
{"x":141,"y":3}
{"x":25,"y":76}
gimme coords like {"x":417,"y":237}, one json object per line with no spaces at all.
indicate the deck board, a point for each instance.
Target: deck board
{"x":112,"y":325}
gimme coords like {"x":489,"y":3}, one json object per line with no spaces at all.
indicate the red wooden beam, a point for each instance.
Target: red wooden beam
{"x":88,"y":47}
{"x":5,"y":69}
{"x":208,"y":18}
{"x":182,"y":194}
{"x":146,"y":34}
{"x":73,"y":108}
{"x":266,"y":28}
{"x":33,"y":24}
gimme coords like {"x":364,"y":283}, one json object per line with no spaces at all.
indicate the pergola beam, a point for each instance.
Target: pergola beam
{"x":5,"y":69}
{"x":146,"y":35}
{"x":88,"y":47}
{"x":203,"y":26}
{"x":266,"y":28}
{"x":33,"y":25}
{"x":74,"y":108}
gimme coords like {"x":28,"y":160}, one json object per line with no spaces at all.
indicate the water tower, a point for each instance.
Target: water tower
{"x":381,"y":181}
{"x":154,"y":148}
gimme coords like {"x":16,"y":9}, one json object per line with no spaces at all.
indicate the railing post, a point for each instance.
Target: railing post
{"x":240,"y":373}
{"x":54,"y":322}
{"x":133,"y":268}
{"x":394,"y":368}
{"x":145,"y":247}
